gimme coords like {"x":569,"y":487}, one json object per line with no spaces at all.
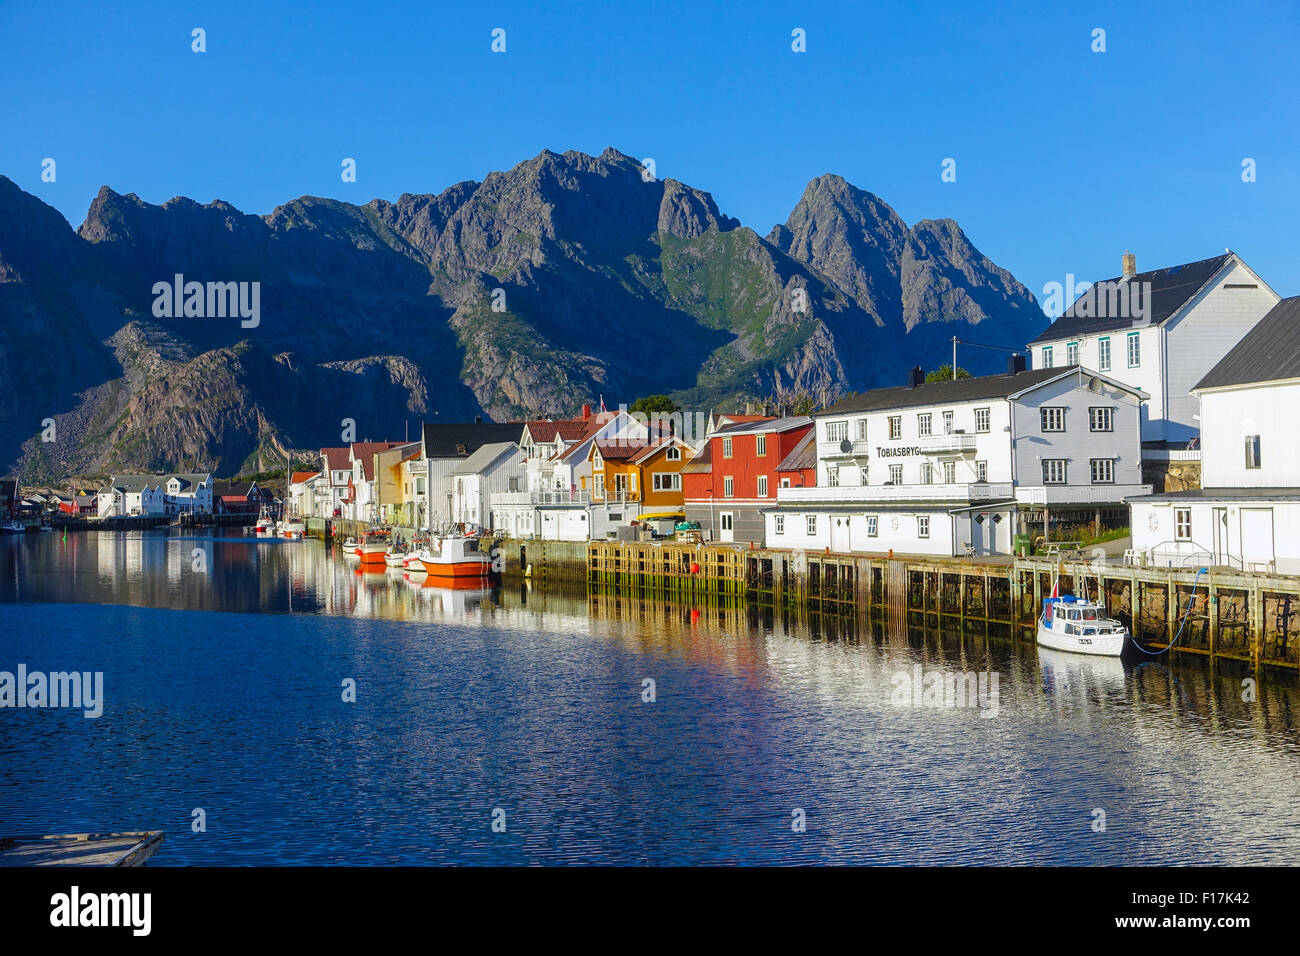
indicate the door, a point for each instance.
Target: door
{"x":1257,"y":539}
{"x":841,"y":542}
{"x":727,"y":524}
{"x":1221,"y":548}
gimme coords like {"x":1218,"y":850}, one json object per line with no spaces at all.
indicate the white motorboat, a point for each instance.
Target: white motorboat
{"x":1068,"y":623}
{"x":265,"y":524}
{"x":458,"y":556}
{"x":292,"y":529}
{"x":12,"y":527}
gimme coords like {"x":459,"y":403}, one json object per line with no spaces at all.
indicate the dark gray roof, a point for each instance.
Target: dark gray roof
{"x":947,"y":391}
{"x":1224,"y":494}
{"x":462,"y":439}
{"x":802,"y":455}
{"x":1170,"y":290}
{"x":1268,"y":352}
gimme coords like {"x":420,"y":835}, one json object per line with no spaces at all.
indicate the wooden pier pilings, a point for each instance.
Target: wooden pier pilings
{"x":1222,"y":614}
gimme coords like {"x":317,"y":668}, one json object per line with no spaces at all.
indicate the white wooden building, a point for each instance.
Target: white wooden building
{"x":958,"y":467}
{"x":495,"y":467}
{"x":1159,"y":332}
{"x":1246,"y":514}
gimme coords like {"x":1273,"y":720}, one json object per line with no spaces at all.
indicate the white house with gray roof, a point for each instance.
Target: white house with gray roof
{"x":495,"y":467}
{"x":1246,"y":514}
{"x":1159,"y":332}
{"x":959,"y":467}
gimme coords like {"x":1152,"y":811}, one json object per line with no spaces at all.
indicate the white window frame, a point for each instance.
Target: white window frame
{"x":1072,"y":353}
{"x":1047,"y":356}
{"x":923,"y":424}
{"x":949,"y":472}
{"x":760,"y":446}
{"x":923,"y":526}
{"x":1101,"y":418}
{"x":837,"y":431}
{"x":983,"y":419}
{"x":895,"y":427}
{"x":728,"y":486}
{"x":1182,"y":524}
{"x":1051,"y":418}
{"x":1103,"y":467}
{"x":927,"y":473}
{"x":673,"y":453}
{"x":873,"y":526}
{"x":1053,"y":466}
{"x":862,"y":429}
{"x":1254,"y":453}
{"x":981,"y":471}
{"x":896,"y":474}
{"x":1103,"y":354}
{"x":810,"y":524}
{"x":947,"y":422}
{"x":778,"y":524}
{"x":762,"y":486}
{"x":726,"y":448}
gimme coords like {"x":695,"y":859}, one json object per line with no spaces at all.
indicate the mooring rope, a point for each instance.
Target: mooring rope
{"x":1191,"y":602}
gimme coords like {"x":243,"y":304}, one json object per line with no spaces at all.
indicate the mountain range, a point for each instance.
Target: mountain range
{"x":567,"y":278}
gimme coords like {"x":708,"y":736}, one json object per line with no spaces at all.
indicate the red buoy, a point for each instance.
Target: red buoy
{"x":695,"y":568}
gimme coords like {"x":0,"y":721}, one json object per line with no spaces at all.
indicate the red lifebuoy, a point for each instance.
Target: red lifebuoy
{"x":695,"y":568}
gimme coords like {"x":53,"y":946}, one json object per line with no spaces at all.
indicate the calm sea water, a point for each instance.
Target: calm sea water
{"x":224,"y":660}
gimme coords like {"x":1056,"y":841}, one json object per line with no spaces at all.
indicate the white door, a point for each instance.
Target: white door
{"x":1221,"y":549}
{"x":727,"y":524}
{"x":1257,"y":538}
{"x":840,"y":540}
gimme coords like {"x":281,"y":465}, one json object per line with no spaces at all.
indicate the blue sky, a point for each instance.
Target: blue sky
{"x":1064,"y":157}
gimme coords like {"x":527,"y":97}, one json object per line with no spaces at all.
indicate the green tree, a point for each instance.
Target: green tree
{"x":944,"y":373}
{"x":654,"y":405}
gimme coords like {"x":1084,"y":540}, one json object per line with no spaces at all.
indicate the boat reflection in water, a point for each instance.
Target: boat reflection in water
{"x":1070,"y":676}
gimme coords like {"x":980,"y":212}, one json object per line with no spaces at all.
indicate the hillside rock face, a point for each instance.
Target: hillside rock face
{"x":565,"y":279}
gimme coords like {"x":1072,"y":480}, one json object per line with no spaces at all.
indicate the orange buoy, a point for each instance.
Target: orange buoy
{"x":695,"y":568}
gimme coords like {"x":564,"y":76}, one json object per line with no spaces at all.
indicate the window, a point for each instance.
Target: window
{"x":862,"y":429}
{"x":1252,"y":451}
{"x":923,"y":526}
{"x":762,"y":486}
{"x":947,"y":423}
{"x":981,"y":471}
{"x":895,"y":474}
{"x":666,"y":481}
{"x":1103,"y":353}
{"x":675,"y":454}
{"x":760,"y":446}
{"x":1047,"y":356}
{"x":1134,"y":350}
{"x":726,"y":448}
{"x":812,"y":524}
{"x":728,"y":486}
{"x":785,"y":482}
{"x":981,"y":419}
{"x":862,"y":474}
{"x":1183,"y":524}
{"x":1053,"y":471}
{"x":1101,"y":419}
{"x":1103,"y":471}
{"x":949,"y":472}
{"x":1072,"y":354}
{"x":923,"y":424}
{"x":1052,"y":419}
{"x":514,"y":484}
{"x":895,"y":427}
{"x":832,"y":476}
{"x":598,"y":483}
{"x":837,"y":431}
{"x":727,"y":520}
{"x":778,"y":524}
{"x":873,"y":525}
{"x":927,"y":473}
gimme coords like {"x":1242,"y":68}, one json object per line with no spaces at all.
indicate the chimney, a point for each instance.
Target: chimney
{"x":1130,"y":264}
{"x":915,"y":377}
{"x":1015,"y":364}
{"x":586,"y":411}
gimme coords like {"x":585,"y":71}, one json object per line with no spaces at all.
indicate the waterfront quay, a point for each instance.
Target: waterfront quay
{"x":1223,"y":614}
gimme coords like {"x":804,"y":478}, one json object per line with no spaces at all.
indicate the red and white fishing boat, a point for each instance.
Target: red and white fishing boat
{"x":373,"y":548}
{"x":456,"y":557}
{"x":265,"y":523}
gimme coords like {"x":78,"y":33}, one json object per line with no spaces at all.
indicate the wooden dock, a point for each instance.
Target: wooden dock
{"x":1224,"y":614}
{"x":81,"y":849}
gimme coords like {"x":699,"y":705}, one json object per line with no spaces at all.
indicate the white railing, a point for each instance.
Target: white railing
{"x":835,"y":449}
{"x":503,"y":499}
{"x":1078,"y":494}
{"x":867,"y":494}
{"x":936,"y":444}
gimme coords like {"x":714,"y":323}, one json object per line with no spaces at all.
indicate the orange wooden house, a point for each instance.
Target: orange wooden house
{"x":646,"y":473}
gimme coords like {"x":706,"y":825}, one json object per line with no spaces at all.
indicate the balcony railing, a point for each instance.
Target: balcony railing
{"x":838,"y":450}
{"x":502,"y":499}
{"x":867,"y":494}
{"x":938,"y":444}
{"x":1078,"y":494}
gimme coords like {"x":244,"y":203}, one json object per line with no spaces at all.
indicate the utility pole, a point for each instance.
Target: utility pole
{"x":954,"y":358}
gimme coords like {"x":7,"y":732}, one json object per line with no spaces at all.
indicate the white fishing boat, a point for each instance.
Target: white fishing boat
{"x":395,"y":559}
{"x":1069,"y":623}
{"x":293,"y":529}
{"x":350,"y":546}
{"x":12,"y":527}
{"x":265,"y":523}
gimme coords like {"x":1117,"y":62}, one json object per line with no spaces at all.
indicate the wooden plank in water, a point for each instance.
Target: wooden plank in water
{"x":81,"y":849}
